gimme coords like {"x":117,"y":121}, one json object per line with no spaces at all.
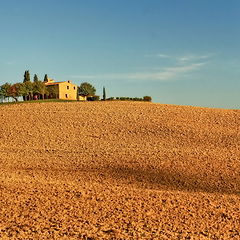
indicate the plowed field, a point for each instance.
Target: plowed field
{"x":119,"y":170}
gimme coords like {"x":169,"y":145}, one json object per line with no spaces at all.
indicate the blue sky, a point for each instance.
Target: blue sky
{"x":180,"y":52}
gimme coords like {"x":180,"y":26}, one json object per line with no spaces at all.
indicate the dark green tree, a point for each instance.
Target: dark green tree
{"x":26,"y":76}
{"x":87,"y":89}
{"x":35,"y":78}
{"x":14,"y":91}
{"x":45,"y":78}
{"x":23,"y":91}
{"x":26,"y":80}
{"x":5,"y":90}
{"x":28,"y":90}
{"x":104,"y":94}
{"x":1,"y":94}
{"x":39,"y":90}
{"x":52,"y":92}
{"x":147,"y":98}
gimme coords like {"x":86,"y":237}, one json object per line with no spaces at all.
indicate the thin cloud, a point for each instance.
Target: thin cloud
{"x":165,"y":74}
{"x":192,"y":58}
{"x":181,"y":59}
{"x":159,"y":55}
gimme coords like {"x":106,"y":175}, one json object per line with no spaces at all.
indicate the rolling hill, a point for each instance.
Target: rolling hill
{"x":119,"y":170}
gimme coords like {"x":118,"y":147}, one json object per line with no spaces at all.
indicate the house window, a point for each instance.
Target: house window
{"x":67,"y":87}
{"x":66,"y":95}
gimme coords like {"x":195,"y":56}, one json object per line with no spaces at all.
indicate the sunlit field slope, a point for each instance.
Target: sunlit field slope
{"x":119,"y":170}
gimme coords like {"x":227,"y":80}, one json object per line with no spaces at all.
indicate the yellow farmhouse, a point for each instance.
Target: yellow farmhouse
{"x":62,"y":90}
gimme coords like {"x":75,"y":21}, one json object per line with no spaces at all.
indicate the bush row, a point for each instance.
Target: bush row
{"x":145,"y":98}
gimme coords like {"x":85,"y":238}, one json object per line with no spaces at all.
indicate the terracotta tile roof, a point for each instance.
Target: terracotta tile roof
{"x":56,"y":83}
{"x":53,"y":83}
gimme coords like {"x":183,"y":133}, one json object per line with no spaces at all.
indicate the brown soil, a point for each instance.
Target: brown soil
{"x":119,"y":170}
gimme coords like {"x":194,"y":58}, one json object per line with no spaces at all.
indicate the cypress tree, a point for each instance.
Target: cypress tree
{"x":35,"y":78}
{"x":26,"y":76}
{"x":104,"y":94}
{"x":45,"y":78}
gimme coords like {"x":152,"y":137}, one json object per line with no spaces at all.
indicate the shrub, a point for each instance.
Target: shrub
{"x":93,"y":98}
{"x":147,"y":98}
{"x":87,"y":89}
{"x":110,"y":99}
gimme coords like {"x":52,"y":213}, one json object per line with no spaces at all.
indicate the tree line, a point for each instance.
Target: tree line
{"x":36,"y":89}
{"x":27,"y":89}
